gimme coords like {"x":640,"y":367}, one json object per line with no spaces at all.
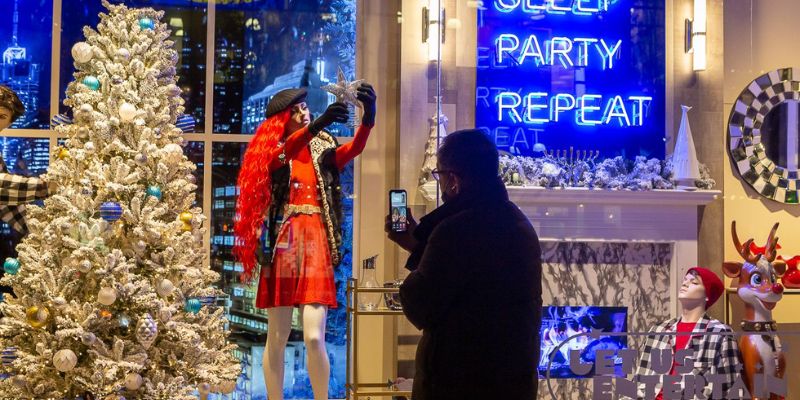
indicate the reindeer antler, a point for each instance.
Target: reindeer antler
{"x":744,"y":250}
{"x":772,"y":243}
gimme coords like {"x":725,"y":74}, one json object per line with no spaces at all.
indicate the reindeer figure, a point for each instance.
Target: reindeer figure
{"x":760,"y":291}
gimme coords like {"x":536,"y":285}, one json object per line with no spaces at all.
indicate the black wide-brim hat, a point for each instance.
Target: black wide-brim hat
{"x":284,"y":99}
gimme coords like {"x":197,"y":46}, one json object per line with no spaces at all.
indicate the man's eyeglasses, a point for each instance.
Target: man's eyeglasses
{"x":437,"y":173}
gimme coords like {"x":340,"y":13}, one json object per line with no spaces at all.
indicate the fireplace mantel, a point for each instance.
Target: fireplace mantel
{"x":593,"y":215}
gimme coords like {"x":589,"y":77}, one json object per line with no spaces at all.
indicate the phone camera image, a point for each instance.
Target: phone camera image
{"x":399,"y":212}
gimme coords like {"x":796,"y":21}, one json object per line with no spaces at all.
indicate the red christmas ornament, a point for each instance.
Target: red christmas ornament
{"x":791,"y":279}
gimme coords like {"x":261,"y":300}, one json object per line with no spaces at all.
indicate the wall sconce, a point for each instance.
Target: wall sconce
{"x":696,"y":36}
{"x":434,"y":43}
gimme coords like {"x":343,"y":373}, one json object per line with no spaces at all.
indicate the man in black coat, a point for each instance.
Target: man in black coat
{"x":475,"y":284}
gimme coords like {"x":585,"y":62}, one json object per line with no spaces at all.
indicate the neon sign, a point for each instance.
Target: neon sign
{"x":559,"y":73}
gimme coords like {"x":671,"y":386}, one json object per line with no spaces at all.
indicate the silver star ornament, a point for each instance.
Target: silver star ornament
{"x":344,"y":90}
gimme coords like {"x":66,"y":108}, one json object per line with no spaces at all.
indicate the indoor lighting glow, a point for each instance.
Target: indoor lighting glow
{"x":699,"y":36}
{"x":433,"y":28}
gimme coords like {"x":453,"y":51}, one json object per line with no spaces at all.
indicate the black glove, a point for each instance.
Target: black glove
{"x":366,"y":94}
{"x":336,"y":112}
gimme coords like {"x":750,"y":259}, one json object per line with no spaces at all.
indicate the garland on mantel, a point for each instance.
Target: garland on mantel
{"x":615,"y":173}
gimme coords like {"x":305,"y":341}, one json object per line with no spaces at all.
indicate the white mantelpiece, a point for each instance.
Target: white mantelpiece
{"x":584,"y":215}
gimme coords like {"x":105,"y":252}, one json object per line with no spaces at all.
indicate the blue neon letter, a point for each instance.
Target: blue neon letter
{"x":563,"y":51}
{"x":506,"y":5}
{"x":529,"y":7}
{"x":530,"y":107}
{"x":560,"y":103}
{"x":556,"y":9}
{"x":583,"y":108}
{"x":602,"y":5}
{"x":511,"y":101}
{"x":616,"y":109}
{"x":583,"y":50}
{"x":638,"y":108}
{"x":608,"y":53}
{"x":501,"y":47}
{"x":531,"y":49}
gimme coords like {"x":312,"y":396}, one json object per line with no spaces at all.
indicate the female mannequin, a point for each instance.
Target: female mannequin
{"x":289,"y":182}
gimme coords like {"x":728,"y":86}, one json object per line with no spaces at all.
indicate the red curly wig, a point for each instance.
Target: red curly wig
{"x":255,"y":190}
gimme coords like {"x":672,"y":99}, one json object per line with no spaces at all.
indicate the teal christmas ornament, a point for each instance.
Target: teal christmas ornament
{"x":110,"y":211}
{"x":11,"y":266}
{"x":146,"y":23}
{"x":193,"y":306}
{"x":154,"y":191}
{"x":91,"y":82}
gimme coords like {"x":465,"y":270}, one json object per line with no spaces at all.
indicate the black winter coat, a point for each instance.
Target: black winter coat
{"x":475,"y":292}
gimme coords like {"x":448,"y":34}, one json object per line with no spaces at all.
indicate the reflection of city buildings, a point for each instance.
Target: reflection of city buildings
{"x":228,"y":85}
{"x":254,"y":108}
{"x":20,"y":74}
{"x":26,"y":156}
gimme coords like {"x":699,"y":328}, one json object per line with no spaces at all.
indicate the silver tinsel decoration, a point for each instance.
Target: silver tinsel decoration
{"x":146,"y":331}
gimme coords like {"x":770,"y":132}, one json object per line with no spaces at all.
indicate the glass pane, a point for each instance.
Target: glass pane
{"x":263,"y":49}
{"x":186,"y":19}
{"x":25,"y":31}
{"x":23,"y":156}
{"x":251,"y":323}
{"x":195,"y":152}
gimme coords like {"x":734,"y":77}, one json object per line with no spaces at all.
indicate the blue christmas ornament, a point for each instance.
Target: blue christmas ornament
{"x":193,"y":306}
{"x":11,"y":266}
{"x":91,"y":82}
{"x":110,"y":211}
{"x":146,"y":23}
{"x":8,"y":355}
{"x":154,"y":191}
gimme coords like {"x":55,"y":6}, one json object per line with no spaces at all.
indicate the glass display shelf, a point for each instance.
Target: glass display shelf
{"x":354,"y":388}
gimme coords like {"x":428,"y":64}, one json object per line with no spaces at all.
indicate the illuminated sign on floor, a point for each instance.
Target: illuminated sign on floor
{"x":589,"y":74}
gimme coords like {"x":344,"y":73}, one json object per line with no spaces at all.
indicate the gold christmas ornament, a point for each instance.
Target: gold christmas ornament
{"x":37,"y":316}
{"x":63,"y":153}
{"x":186,"y":217}
{"x":164,"y":288}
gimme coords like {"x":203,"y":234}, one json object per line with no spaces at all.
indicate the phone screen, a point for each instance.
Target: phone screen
{"x":398,"y":209}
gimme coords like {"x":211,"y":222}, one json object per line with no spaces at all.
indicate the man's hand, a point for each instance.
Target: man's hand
{"x":405,"y":239}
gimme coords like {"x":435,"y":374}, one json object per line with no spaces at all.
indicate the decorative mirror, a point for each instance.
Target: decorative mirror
{"x":764,"y":134}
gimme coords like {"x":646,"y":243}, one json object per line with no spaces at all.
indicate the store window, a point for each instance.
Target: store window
{"x":187,"y":20}
{"x":264,"y":47}
{"x":25,"y":67}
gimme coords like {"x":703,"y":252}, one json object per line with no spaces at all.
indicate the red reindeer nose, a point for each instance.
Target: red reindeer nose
{"x":777,"y":288}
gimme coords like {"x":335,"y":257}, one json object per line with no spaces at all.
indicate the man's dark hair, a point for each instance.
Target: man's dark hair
{"x":470,"y":154}
{"x":11,"y":101}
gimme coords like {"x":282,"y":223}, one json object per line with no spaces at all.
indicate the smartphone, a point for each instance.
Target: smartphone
{"x":398,"y":209}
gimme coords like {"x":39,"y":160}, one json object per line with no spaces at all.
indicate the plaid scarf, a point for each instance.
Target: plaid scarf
{"x":714,"y":354}
{"x":15,"y":191}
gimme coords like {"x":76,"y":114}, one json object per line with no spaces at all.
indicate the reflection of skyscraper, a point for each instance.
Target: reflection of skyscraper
{"x":21,"y":75}
{"x":26,"y":156}
{"x":228,"y":76}
{"x":255,"y":106}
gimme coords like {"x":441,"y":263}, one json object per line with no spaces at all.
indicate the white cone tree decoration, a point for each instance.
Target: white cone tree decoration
{"x":116,"y":228}
{"x":685,"y":167}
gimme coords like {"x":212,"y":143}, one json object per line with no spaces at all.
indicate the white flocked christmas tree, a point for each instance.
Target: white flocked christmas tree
{"x":113,"y":296}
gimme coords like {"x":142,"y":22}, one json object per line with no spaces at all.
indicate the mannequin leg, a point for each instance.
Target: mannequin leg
{"x":280,"y":326}
{"x":319,"y":368}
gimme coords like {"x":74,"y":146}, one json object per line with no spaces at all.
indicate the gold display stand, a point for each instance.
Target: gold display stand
{"x":353,"y":387}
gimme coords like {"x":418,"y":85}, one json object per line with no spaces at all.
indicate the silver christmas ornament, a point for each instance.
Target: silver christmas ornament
{"x":191,"y":178}
{"x":124,"y":323}
{"x":107,"y":296}
{"x":165,"y":314}
{"x":140,"y":159}
{"x":86,"y":266}
{"x":173,"y":90}
{"x":82,"y":52}
{"x":146,"y":331}
{"x":141,"y":246}
{"x":65,"y":360}
{"x":88,"y":338}
{"x":89,"y":147}
{"x":164,"y":287}
{"x":127,"y":112}
{"x":133,"y":381}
